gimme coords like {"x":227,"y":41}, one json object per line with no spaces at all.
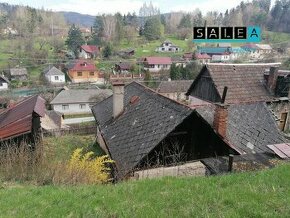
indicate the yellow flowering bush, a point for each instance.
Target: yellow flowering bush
{"x":84,"y":168}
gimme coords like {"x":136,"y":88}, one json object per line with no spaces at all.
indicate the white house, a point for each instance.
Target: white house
{"x":54,"y":75}
{"x":89,"y":51}
{"x":167,"y":46}
{"x":221,"y":57}
{"x":155,"y":64}
{"x":3,"y":83}
{"x":78,"y":101}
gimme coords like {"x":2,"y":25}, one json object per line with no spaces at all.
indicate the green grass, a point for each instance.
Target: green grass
{"x":256,"y":194}
{"x":275,"y":37}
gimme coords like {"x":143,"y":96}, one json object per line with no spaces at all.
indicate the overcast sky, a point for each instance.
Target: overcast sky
{"x":94,"y":7}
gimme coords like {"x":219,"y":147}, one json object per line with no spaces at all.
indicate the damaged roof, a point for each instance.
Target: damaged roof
{"x":250,"y":126}
{"x":245,"y":82}
{"x":145,"y":122}
{"x":17,"y":120}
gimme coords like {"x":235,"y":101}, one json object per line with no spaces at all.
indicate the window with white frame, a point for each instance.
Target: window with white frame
{"x":82,"y":106}
{"x":65,"y":107}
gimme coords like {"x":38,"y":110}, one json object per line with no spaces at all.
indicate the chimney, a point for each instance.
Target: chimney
{"x":221,"y":119}
{"x":118,"y":98}
{"x":272,"y":79}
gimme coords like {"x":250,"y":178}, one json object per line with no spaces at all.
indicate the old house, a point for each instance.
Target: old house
{"x":84,"y":71}
{"x":245,"y":83}
{"x":123,"y":67}
{"x":168,"y":46}
{"x":4,"y":82}
{"x":175,"y":89}
{"x":156,"y":64}
{"x":187,"y":56}
{"x":52,"y":121}
{"x":202,"y":58}
{"x":127,"y":53}
{"x":257,"y":51}
{"x":21,"y":122}
{"x":18,"y":74}
{"x":89,"y":51}
{"x":141,"y":129}
{"x":78,"y":101}
{"x":54,"y":75}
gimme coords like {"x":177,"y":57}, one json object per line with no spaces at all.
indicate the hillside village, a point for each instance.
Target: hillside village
{"x":134,"y":104}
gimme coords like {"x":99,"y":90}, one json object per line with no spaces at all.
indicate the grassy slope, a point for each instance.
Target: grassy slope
{"x":261,"y":194}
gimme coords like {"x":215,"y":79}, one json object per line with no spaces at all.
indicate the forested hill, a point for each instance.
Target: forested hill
{"x":256,"y":12}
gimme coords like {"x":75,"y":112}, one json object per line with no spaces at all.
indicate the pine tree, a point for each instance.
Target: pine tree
{"x":74,"y":39}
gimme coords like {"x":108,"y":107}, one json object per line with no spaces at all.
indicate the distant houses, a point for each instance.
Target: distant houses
{"x":123,"y":67}
{"x":18,"y":74}
{"x":4,"y":82}
{"x":168,"y":46}
{"x":84,"y":71}
{"x":89,"y":51}
{"x":78,"y":101}
{"x":54,"y":75}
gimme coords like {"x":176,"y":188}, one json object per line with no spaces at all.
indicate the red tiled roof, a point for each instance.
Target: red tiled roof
{"x":202,"y":56}
{"x":82,"y":65}
{"x":90,"y":49}
{"x":158,"y":60}
{"x":17,"y":120}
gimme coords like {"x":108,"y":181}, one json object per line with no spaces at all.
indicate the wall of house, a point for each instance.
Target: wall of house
{"x":220,"y":57}
{"x":86,"y":77}
{"x":84,"y":54}
{"x":167,"y":48}
{"x":3,"y":85}
{"x":278,"y":108}
{"x":157,"y":67}
{"x":72,"y":108}
{"x":52,"y":79}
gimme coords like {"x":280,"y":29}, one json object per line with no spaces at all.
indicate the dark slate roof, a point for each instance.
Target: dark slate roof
{"x":73,"y":96}
{"x":249,"y":125}
{"x":245,"y":82}
{"x":53,"y":71}
{"x":174,"y":86}
{"x":141,"y":127}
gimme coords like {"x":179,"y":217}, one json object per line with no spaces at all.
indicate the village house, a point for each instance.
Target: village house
{"x":4,"y":82}
{"x":84,"y":71}
{"x":53,"y":121}
{"x":123,"y":67}
{"x":127,"y":53}
{"x":245,"y":83}
{"x":174,"y":89}
{"x":161,"y":132}
{"x":202,"y":58}
{"x":257,"y":51}
{"x":18,"y":74}
{"x":78,"y":101}
{"x":217,"y":54}
{"x":156,"y":64}
{"x":54,"y":75}
{"x":168,"y":46}
{"x":187,"y":56}
{"x":21,"y":122}
{"x":89,"y":51}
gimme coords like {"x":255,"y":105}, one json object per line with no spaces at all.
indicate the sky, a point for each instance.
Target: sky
{"x":95,"y":7}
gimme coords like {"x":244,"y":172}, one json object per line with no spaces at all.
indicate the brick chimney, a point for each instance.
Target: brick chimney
{"x":221,"y":119}
{"x":272,"y":79}
{"x":118,"y":98}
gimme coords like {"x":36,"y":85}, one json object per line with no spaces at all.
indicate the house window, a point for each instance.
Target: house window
{"x":82,"y":106}
{"x":80,"y":74}
{"x":158,"y":66}
{"x":92,"y":73}
{"x":163,"y":49}
{"x":65,"y":107}
{"x":56,"y":78}
{"x":91,"y":105}
{"x":1,"y":84}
